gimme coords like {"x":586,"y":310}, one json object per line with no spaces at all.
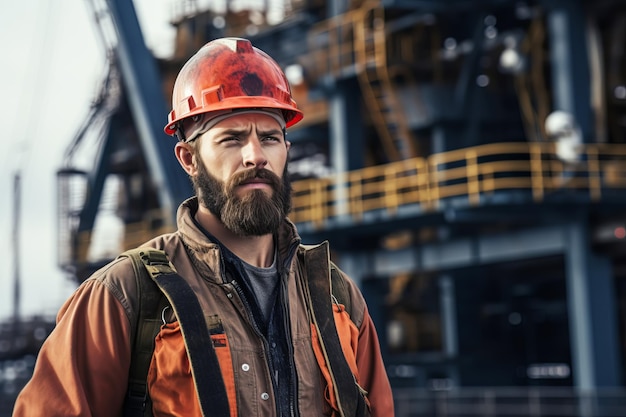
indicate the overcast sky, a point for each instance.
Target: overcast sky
{"x":52,"y":64}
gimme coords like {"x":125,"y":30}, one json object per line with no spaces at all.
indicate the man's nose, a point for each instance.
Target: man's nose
{"x":253,"y":154}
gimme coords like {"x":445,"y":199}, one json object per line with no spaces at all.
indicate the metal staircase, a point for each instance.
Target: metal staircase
{"x":377,"y":86}
{"x":354,"y":43}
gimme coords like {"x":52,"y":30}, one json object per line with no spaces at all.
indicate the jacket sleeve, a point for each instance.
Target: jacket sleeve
{"x":372,"y":372}
{"x":82,"y":367}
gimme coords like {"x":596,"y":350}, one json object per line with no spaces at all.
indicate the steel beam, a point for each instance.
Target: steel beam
{"x":592,"y":311}
{"x":144,"y":91}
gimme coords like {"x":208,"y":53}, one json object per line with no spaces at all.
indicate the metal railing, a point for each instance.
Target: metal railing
{"x":356,"y":43}
{"x":331,"y":46}
{"x":471,"y":176}
{"x":510,"y":402}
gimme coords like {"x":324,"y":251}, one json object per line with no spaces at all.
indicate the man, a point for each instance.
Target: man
{"x":241,"y":256}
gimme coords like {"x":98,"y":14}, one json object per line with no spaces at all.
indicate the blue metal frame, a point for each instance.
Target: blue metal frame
{"x":144,"y":89}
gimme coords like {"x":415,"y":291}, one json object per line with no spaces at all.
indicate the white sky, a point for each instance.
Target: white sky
{"x":52,"y":64}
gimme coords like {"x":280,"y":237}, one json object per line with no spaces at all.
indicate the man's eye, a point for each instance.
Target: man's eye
{"x":271,"y":139}
{"x":228,"y":139}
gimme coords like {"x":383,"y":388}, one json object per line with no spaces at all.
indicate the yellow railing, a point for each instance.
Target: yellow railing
{"x":154,"y":223}
{"x":356,"y":43}
{"x":331,"y":45}
{"x":473,"y":174}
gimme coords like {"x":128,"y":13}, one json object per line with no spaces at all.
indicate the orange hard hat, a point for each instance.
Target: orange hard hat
{"x":229,"y":73}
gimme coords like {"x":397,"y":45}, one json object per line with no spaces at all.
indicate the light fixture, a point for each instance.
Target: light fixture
{"x":562,"y":128}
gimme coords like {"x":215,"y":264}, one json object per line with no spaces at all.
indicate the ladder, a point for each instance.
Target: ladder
{"x":377,"y":86}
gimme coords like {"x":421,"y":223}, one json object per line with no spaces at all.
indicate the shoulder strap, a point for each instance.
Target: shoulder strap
{"x":339,"y":288}
{"x":205,"y":367}
{"x":151,"y":301}
{"x":316,"y":264}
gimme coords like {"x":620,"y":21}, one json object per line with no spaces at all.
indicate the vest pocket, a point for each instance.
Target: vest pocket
{"x":170,"y":382}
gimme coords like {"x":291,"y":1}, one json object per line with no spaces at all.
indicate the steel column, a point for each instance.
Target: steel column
{"x":570,"y":61}
{"x":345,"y":142}
{"x":592,"y":311}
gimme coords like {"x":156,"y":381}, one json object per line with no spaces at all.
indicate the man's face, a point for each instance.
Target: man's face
{"x":242,"y":174}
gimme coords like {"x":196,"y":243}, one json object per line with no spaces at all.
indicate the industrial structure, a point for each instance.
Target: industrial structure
{"x":465,"y":159}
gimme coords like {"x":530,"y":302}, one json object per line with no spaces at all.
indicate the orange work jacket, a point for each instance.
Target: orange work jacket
{"x":82,"y":368}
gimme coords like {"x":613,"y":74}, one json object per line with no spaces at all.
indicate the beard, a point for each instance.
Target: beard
{"x":255,"y":213}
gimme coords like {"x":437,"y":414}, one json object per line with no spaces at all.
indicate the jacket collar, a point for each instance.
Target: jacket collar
{"x":201,"y":248}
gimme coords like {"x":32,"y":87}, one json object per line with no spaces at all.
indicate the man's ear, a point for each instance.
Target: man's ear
{"x":288,"y":144}
{"x":185,"y":155}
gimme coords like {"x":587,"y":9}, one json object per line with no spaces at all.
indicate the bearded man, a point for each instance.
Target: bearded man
{"x":247,"y":270}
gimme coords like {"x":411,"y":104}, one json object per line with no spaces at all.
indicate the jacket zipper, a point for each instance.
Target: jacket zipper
{"x":292,"y":368}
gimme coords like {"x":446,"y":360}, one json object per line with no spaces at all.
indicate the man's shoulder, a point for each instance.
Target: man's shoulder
{"x":115,"y":273}
{"x":119,"y":275}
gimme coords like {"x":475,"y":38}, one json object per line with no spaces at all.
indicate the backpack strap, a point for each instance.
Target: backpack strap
{"x":339,"y":288}
{"x":151,"y":302}
{"x":205,"y":368}
{"x":316,"y":264}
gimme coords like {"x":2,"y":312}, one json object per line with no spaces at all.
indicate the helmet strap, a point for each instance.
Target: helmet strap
{"x":179,"y":132}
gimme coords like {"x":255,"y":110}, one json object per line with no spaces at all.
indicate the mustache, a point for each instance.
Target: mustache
{"x":254,"y":173}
